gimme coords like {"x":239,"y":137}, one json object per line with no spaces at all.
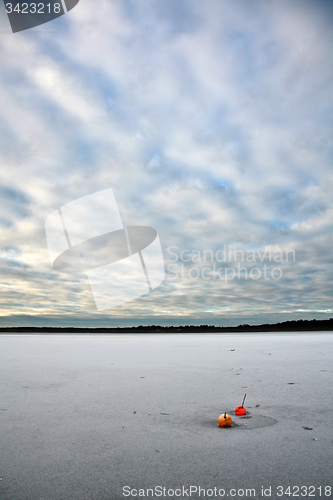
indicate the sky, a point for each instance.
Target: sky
{"x":211,"y":120}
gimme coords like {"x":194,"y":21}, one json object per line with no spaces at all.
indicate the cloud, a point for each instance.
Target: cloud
{"x":211,"y":122}
{"x":15,"y":204}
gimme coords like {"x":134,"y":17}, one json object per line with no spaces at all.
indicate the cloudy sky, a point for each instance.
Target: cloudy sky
{"x":211,"y":120}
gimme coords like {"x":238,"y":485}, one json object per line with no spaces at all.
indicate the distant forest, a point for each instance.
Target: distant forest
{"x":286,"y":326}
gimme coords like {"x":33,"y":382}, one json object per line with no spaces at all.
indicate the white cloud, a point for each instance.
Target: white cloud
{"x":211,"y":121}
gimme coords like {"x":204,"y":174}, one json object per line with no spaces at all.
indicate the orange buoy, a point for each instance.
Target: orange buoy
{"x":241,"y":410}
{"x":225,"y":420}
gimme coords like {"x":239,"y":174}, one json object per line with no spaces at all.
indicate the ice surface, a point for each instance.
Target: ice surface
{"x":82,"y":416}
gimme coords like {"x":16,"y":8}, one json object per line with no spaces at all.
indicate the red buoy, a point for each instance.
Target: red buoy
{"x":241,"y":410}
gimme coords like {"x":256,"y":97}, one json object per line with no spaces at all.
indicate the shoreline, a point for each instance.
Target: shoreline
{"x":284,"y":327}
{"x":66,"y":333}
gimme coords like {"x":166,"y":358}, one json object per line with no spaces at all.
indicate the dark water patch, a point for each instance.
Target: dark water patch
{"x":251,"y":422}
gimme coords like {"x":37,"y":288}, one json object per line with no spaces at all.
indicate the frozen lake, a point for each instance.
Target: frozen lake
{"x":83,"y":416}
